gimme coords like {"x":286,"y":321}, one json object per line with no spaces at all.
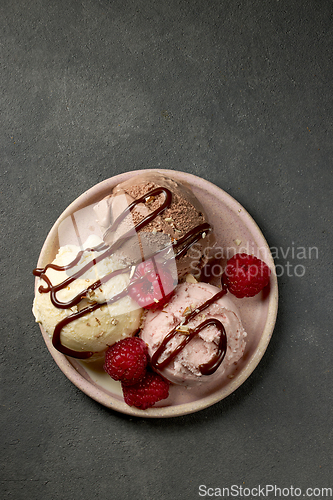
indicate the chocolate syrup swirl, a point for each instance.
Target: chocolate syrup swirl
{"x":184,"y":244}
{"x":214,"y":363}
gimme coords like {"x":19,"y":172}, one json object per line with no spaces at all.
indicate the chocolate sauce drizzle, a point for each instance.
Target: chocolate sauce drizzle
{"x":214,"y":363}
{"x":184,"y":244}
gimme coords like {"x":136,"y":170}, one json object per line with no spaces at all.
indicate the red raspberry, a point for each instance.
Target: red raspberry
{"x":146,"y":393}
{"x":127,"y":360}
{"x":155,"y":289}
{"x":245,"y":275}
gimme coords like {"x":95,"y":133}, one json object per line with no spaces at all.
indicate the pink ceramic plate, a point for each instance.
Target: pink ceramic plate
{"x":235,"y":231}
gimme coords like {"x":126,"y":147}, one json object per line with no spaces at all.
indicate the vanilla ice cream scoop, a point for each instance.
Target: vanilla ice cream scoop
{"x":196,"y":336}
{"x":76,"y":303}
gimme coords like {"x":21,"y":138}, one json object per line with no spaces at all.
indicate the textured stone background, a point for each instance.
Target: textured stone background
{"x":238,"y":92}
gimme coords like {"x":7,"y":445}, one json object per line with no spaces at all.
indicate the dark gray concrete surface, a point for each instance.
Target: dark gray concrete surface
{"x":238,"y":92}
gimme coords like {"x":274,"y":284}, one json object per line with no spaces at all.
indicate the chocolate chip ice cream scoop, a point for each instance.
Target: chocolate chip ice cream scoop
{"x":150,"y":214}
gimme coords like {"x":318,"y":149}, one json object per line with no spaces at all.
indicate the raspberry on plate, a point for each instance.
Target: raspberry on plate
{"x":127,"y":360}
{"x":245,"y":275}
{"x":144,"y":394}
{"x":150,"y":288}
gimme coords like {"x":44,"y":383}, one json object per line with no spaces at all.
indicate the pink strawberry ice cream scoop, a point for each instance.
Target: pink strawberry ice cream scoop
{"x":196,"y":336}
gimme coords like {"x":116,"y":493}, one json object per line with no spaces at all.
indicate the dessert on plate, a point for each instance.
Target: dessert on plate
{"x":80,"y":300}
{"x":127,"y":292}
{"x":196,"y":336}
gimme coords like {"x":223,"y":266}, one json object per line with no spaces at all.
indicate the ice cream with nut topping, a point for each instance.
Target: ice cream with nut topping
{"x":103,"y":326}
{"x":179,"y":226}
{"x":196,"y":337}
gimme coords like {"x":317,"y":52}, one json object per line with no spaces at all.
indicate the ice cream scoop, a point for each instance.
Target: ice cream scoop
{"x":196,"y":336}
{"x":150,"y":213}
{"x":82,"y":302}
